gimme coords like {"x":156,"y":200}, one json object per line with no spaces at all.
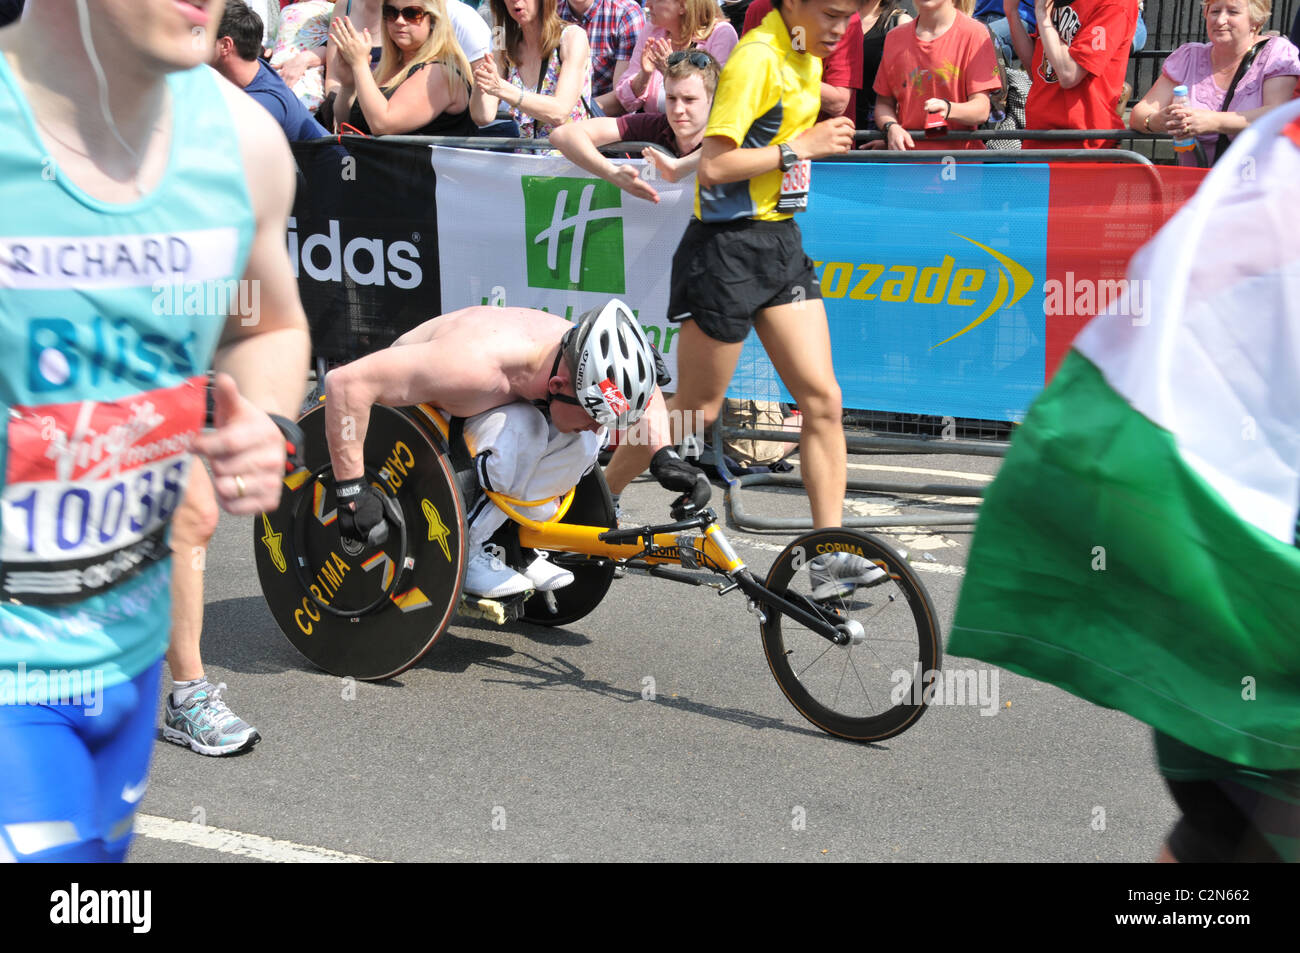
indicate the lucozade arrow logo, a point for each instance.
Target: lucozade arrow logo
{"x":1020,"y":283}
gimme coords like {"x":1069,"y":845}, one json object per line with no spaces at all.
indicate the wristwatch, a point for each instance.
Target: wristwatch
{"x":788,"y":157}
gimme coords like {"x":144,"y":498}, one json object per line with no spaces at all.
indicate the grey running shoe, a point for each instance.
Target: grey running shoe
{"x":205,"y":724}
{"x":838,"y":574}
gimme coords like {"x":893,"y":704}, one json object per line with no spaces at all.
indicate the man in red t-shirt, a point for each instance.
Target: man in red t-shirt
{"x":841,"y":71}
{"x":1080,"y":56}
{"x":941,"y":63}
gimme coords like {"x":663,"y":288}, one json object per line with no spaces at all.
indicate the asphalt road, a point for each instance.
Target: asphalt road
{"x":531,"y":744}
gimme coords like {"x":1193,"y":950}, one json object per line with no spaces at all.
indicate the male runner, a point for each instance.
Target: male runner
{"x":129,"y":215}
{"x":537,"y":393}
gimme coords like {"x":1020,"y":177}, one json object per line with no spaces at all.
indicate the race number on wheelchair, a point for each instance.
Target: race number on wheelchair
{"x":89,"y":488}
{"x":794,"y":187}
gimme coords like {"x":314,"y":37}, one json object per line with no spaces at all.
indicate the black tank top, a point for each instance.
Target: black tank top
{"x":446,"y":123}
{"x":873,"y":50}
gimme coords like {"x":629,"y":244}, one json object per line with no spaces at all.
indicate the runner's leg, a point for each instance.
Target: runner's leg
{"x":47,"y":812}
{"x":704,"y":369}
{"x":192,"y":528}
{"x":798,"y":342}
{"x":74,"y":774}
{"x":122,"y":758}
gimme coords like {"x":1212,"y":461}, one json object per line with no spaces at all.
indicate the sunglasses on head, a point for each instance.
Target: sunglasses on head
{"x":409,"y":14}
{"x":694,"y":57}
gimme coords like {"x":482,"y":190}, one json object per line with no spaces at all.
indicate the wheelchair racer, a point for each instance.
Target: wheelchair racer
{"x":537,"y":394}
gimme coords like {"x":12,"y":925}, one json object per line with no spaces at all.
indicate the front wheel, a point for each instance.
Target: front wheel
{"x":873,"y":687}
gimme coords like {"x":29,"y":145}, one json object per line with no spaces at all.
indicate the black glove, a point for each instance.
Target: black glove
{"x":361,"y":513}
{"x":674,"y":473}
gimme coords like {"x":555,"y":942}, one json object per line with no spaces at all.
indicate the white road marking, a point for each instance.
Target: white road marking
{"x":237,"y":842}
{"x":976,"y":477}
{"x":918,"y":564}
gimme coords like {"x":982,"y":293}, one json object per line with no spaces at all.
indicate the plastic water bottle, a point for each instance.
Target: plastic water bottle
{"x":1181,"y":98}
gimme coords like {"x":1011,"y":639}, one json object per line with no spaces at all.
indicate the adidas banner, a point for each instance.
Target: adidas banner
{"x":363,"y":243}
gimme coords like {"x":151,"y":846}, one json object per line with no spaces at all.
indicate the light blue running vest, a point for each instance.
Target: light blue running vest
{"x":109,"y":316}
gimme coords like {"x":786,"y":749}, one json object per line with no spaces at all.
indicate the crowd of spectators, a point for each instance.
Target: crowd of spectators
{"x":523,"y":68}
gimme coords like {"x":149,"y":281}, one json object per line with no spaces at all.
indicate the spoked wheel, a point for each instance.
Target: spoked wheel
{"x":863,"y":691}
{"x":592,"y":575}
{"x":373,"y":613}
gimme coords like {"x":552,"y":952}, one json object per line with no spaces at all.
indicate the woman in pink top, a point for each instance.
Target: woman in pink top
{"x":674,"y":25}
{"x":1207,"y":69}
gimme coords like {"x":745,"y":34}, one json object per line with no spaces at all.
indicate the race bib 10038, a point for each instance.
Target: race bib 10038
{"x":89,"y":488}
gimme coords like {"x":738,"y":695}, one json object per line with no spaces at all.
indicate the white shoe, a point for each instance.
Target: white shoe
{"x":838,"y":574}
{"x":545,"y":576}
{"x":487,"y":576}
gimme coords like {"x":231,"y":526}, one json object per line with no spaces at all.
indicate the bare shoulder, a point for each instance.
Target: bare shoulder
{"x":268,"y":163}
{"x":525,"y":322}
{"x":574,"y":40}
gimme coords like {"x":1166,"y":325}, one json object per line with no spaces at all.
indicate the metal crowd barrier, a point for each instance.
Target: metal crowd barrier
{"x":856,"y":444}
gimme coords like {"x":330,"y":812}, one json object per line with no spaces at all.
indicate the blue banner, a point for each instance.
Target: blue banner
{"x":926,"y":272}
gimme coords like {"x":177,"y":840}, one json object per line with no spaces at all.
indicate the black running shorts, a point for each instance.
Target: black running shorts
{"x":724,"y":274}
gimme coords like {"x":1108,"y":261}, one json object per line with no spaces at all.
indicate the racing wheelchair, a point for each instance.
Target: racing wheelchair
{"x":851,"y":662}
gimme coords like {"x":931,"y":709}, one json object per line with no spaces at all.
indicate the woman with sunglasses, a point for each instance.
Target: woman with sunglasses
{"x":403,"y":97}
{"x":675,"y":25}
{"x":544,"y":73}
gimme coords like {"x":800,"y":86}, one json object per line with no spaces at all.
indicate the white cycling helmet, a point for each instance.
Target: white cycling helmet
{"x":612,"y":363}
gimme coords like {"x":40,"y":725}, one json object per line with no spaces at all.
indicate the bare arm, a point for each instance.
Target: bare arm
{"x":1055,"y":50}
{"x":1153,"y":106}
{"x":835,"y":99}
{"x":578,"y":142}
{"x":482,"y":104}
{"x":722,"y":161}
{"x":1024,"y":46}
{"x":1277,"y":90}
{"x":421,"y":371}
{"x":418,"y":100}
{"x":897,"y":138}
{"x":972,"y":112}
{"x":555,"y":110}
{"x":333,"y":77}
{"x":670,"y":168}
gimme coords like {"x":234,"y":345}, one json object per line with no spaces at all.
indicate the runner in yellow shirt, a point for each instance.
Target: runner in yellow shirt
{"x":741,"y":261}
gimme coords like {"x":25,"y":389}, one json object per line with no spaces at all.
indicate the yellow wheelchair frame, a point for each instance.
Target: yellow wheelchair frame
{"x":815,"y":644}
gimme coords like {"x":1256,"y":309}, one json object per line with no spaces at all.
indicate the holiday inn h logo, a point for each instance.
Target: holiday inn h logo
{"x":574,"y":234}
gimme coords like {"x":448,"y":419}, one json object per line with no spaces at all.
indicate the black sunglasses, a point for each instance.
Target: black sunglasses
{"x":409,"y":14}
{"x":694,"y":57}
